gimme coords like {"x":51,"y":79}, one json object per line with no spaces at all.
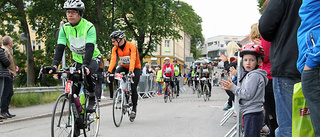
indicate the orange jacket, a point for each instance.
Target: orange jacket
{"x":129,"y":57}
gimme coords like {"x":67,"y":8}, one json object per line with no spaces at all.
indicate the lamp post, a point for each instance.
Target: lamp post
{"x":24,"y":37}
{"x":178,"y":4}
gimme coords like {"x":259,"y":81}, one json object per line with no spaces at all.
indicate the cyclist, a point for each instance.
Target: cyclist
{"x":80,"y":36}
{"x":168,"y":71}
{"x":197,"y":73}
{"x":206,"y":71}
{"x":177,"y":73}
{"x":130,"y":63}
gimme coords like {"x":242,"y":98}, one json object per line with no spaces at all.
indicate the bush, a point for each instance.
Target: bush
{"x":31,"y":99}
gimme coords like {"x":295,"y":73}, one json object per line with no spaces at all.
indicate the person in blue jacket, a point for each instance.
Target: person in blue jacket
{"x":309,"y":58}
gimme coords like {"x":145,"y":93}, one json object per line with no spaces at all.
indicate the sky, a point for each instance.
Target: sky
{"x":226,"y":17}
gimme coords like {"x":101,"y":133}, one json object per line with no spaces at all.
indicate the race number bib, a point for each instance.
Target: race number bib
{"x":125,"y":60}
{"x":118,"y":76}
{"x":68,"y":87}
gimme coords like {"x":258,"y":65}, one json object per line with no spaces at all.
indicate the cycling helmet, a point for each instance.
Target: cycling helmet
{"x":205,"y":61}
{"x":74,"y":4}
{"x":166,"y":58}
{"x":118,"y":34}
{"x":175,"y":60}
{"x":252,"y":48}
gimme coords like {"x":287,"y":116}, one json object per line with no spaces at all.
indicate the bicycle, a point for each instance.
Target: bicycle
{"x":197,"y":86}
{"x":175,"y":88}
{"x":168,"y":88}
{"x":122,"y":102}
{"x":69,"y":115}
{"x":205,"y":88}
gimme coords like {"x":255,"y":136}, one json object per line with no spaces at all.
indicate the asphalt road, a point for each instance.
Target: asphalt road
{"x":187,"y":116}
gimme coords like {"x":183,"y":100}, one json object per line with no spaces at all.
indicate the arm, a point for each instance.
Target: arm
{"x":271,"y":18}
{"x":249,"y":90}
{"x":172,"y":70}
{"x":113,"y":59}
{"x":4,"y":59}
{"x":90,"y":43}
{"x":266,"y":46}
{"x":133,"y":57}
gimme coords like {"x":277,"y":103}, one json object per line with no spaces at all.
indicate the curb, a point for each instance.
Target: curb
{"x":13,"y":120}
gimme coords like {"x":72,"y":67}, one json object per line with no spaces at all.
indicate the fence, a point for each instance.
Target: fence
{"x":147,"y":87}
{"x":38,"y":90}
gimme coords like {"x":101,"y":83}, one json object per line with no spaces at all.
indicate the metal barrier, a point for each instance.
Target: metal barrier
{"x":147,"y":87}
{"x":38,"y":90}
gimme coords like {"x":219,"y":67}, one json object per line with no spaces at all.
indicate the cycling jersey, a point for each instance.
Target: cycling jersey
{"x":168,"y":70}
{"x":206,"y":72}
{"x":129,"y":56}
{"x":76,"y":38}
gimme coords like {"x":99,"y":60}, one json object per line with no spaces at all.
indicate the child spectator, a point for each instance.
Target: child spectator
{"x":251,"y":92}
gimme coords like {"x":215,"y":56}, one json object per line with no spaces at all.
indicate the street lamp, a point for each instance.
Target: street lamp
{"x":24,"y":37}
{"x":178,"y":4}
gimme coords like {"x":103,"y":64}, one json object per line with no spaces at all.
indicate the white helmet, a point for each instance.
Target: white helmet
{"x":204,"y":61}
{"x":74,"y":4}
{"x":166,"y":58}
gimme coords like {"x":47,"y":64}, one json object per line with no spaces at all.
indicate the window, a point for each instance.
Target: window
{"x":39,"y":45}
{"x":167,"y":46}
{"x":155,"y":46}
{"x":33,"y":45}
{"x":210,"y":43}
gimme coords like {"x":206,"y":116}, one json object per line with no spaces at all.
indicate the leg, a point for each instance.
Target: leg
{"x":111,"y":89}
{"x":311,"y":91}
{"x":178,"y":87}
{"x":134,"y":95}
{"x":253,"y":123}
{"x":269,"y":105}
{"x":283,"y":92}
{"x":5,"y":95}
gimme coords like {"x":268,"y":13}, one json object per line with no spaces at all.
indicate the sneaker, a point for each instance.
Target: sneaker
{"x":133,"y":115}
{"x":103,"y":97}
{"x":227,"y":108}
{"x":92,"y":105}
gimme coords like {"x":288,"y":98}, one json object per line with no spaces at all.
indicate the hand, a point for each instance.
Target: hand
{"x":51,"y":69}
{"x":223,"y":57}
{"x":226,"y":84}
{"x":86,"y":69}
{"x":131,"y":74}
{"x":257,"y":41}
{"x":107,"y":74}
{"x":233,"y":71}
{"x":306,"y":67}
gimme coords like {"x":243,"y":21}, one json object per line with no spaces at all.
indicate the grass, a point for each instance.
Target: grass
{"x":31,"y":99}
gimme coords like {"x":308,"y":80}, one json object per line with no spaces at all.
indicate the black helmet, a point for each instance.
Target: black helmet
{"x":175,"y":60}
{"x":118,"y":34}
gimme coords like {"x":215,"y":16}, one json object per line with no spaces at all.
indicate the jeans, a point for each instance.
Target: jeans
{"x":310,"y":81}
{"x":283,"y":92}
{"x":7,"y":94}
{"x":159,"y":85}
{"x":253,"y":123}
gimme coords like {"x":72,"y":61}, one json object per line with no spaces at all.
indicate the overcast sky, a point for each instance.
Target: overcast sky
{"x":226,"y":17}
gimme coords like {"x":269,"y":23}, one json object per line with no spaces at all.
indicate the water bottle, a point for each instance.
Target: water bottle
{"x":77,"y":102}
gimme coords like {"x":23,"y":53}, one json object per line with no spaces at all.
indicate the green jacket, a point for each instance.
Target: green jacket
{"x":76,"y":38}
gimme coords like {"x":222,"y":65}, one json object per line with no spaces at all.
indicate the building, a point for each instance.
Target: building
{"x":174,"y":49}
{"x":216,"y":45}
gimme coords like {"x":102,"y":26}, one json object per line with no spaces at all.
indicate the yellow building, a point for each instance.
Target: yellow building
{"x":174,"y":49}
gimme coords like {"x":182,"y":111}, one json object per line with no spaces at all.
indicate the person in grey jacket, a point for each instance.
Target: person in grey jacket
{"x":252,"y":90}
{"x":4,"y":72}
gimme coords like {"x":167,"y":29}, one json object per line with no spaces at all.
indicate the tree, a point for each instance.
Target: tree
{"x":147,"y":20}
{"x":190,"y":23}
{"x":13,"y":11}
{"x":260,"y":5}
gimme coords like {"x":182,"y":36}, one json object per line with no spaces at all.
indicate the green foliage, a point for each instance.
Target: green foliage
{"x":190,"y":23}
{"x":31,"y":99}
{"x":260,"y":5}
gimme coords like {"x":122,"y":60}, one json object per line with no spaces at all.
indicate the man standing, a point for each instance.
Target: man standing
{"x":279,"y":24}
{"x":8,"y":81}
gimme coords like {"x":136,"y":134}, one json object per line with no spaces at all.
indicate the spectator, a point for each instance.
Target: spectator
{"x":111,"y":78}
{"x":279,"y":24}
{"x":159,"y":79}
{"x":269,"y":104}
{"x":251,"y":91}
{"x":6,"y":78}
{"x":309,"y":58}
{"x":99,"y":81}
{"x":146,"y":70}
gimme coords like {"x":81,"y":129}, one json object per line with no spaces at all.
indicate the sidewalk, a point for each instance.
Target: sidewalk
{"x":39,"y":111}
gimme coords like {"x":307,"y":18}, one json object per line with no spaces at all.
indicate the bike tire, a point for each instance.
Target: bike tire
{"x":198,"y":90}
{"x":93,"y":121}
{"x":117,"y":109}
{"x":62,"y":118}
{"x":204,"y":92}
{"x":165,"y":97}
{"x":170,"y":94}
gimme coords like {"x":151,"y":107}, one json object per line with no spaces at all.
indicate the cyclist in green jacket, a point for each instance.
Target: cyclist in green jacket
{"x":177,"y":74}
{"x":80,"y":36}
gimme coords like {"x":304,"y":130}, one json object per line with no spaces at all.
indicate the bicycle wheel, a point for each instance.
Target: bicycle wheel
{"x":193,"y":87}
{"x":208,"y":92}
{"x":174,"y":92}
{"x":117,"y":108}
{"x":93,"y":121}
{"x":204,"y":92}
{"x":170,"y":93}
{"x":63,"y":121}
{"x":165,"y":97}
{"x":198,"y":89}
